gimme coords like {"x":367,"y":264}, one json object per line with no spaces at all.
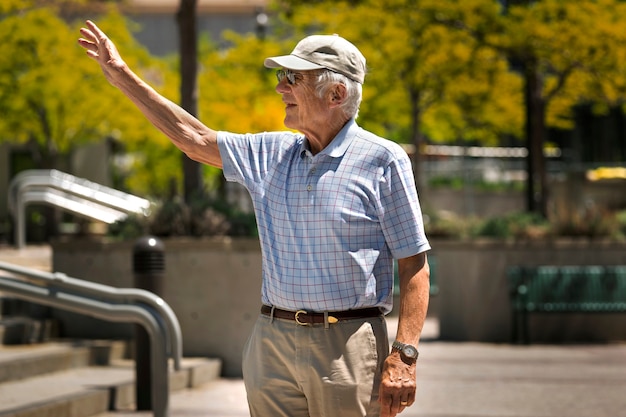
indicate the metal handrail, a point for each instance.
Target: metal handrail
{"x":139,"y":314}
{"x":73,"y":194}
{"x":172,"y":330}
{"x":89,"y":190}
{"x":70,"y":203}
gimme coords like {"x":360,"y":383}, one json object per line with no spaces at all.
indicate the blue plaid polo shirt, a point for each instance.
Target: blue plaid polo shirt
{"x":329,"y":224}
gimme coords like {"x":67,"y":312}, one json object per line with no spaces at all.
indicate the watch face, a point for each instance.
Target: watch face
{"x":410,"y":351}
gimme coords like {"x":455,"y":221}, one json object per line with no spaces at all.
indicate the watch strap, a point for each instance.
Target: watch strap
{"x":402,"y":348}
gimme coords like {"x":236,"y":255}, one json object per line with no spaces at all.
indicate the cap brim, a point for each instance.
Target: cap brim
{"x":291,"y":62}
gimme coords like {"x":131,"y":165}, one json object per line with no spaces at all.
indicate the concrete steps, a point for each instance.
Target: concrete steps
{"x":24,"y":330}
{"x":42,"y":375}
{"x":80,"y":379}
{"x":23,"y":322}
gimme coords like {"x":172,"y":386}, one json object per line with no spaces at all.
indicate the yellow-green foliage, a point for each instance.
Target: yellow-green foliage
{"x":456,"y":66}
{"x":54,"y":97}
{"x":236,"y":91}
{"x":422,"y":70}
{"x":577,"y":47}
{"x":442,"y":68}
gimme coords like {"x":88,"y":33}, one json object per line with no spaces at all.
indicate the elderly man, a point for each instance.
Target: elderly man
{"x":335,"y":205}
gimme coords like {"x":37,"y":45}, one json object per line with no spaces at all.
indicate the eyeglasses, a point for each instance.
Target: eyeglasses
{"x":290,"y":75}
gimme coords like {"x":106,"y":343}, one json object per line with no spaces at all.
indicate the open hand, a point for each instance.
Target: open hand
{"x":101,"y":49}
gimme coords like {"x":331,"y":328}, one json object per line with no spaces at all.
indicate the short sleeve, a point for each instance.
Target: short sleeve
{"x":401,"y":216}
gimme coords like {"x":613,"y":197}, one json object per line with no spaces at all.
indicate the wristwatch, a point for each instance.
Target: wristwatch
{"x":408,"y":351}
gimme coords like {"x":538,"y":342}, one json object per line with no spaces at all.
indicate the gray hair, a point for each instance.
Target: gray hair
{"x":354,"y":91}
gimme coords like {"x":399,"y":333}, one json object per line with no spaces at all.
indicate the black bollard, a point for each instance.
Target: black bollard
{"x":148,"y":268}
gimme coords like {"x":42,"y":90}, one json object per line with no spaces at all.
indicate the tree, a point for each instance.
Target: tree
{"x":44,"y":83}
{"x":417,"y":67}
{"x":242,"y":94}
{"x":53,"y":99}
{"x":188,"y":38}
{"x":441,"y":60}
{"x":37,"y":102}
{"x":543,"y":40}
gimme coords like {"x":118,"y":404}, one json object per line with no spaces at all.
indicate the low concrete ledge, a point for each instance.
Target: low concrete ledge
{"x":474,"y":295}
{"x":214,"y":285}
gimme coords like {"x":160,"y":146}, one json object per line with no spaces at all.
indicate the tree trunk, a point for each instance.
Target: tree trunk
{"x":536,"y":189}
{"x":187,"y":29}
{"x":48,"y":159}
{"x":416,"y":139}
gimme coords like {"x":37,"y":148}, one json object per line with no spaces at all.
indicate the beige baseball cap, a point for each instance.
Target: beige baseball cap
{"x":323,"y":51}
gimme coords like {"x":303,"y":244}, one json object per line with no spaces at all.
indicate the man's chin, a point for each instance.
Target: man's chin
{"x":289,"y":124}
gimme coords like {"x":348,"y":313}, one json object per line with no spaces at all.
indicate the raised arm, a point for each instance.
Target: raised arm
{"x":186,"y":132}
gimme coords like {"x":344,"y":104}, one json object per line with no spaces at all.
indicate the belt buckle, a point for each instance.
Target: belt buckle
{"x":297,"y":318}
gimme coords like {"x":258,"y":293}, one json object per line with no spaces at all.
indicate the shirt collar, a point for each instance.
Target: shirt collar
{"x":339,"y":145}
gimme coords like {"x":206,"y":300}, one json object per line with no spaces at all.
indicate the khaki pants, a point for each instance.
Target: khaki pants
{"x":291,"y":370}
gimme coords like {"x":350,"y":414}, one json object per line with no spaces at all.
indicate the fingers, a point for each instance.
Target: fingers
{"x":406,"y":402}
{"x":92,"y":39}
{"x":91,"y":47}
{"x":398,"y":386}
{"x":93,"y":36}
{"x":89,"y":41}
{"x":95,"y":31}
{"x":393,"y":403}
{"x":91,"y":33}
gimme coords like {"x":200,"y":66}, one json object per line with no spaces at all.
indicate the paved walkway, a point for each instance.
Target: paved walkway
{"x":39,"y":257}
{"x":464,"y":379}
{"x":479,"y":380}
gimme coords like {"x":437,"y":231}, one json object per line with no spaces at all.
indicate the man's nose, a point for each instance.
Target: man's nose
{"x":282,"y":86}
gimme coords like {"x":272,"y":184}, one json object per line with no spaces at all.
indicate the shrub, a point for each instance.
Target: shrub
{"x":200,"y":218}
{"x":620,"y":217}
{"x":515,"y":225}
{"x":444,"y":227}
{"x":589,"y":221}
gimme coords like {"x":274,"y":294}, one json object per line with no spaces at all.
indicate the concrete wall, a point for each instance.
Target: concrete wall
{"x":474,"y":295}
{"x":472,"y":202}
{"x":568,"y":196}
{"x":213,"y":286}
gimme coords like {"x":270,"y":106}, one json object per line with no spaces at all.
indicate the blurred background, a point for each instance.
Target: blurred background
{"x":512,"y":111}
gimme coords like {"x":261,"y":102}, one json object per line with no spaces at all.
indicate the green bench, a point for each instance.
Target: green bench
{"x":564,"y":289}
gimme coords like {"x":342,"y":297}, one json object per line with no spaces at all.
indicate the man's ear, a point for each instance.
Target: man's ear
{"x":338,"y":94}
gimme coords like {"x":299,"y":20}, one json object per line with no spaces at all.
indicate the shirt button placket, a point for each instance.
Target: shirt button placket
{"x":311,"y":194}
{"x":309,"y":187}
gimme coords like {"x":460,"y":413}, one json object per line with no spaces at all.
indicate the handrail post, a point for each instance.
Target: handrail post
{"x":120,"y":295}
{"x":20,"y":226}
{"x":148,"y":266}
{"x":136,"y":313}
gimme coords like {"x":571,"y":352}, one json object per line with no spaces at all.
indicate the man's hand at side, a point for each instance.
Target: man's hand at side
{"x":398,"y":385}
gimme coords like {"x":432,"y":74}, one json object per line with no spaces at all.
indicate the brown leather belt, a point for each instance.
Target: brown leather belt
{"x":304,"y":318}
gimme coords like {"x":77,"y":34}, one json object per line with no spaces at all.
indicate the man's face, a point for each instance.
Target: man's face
{"x":304,"y":110}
